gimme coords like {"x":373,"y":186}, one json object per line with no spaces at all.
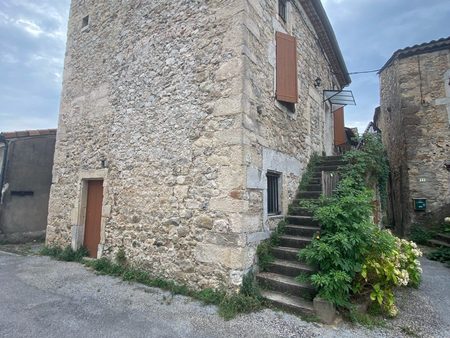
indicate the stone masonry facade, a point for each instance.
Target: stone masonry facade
{"x":172,"y":105}
{"x":415,"y":124}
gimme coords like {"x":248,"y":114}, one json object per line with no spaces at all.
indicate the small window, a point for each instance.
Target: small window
{"x":85,"y":21}
{"x":273,"y":193}
{"x":282,"y":9}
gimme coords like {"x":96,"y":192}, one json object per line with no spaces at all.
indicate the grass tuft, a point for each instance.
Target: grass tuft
{"x":67,"y":254}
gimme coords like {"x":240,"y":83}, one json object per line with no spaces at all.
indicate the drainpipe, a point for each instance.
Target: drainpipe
{"x":3,"y":168}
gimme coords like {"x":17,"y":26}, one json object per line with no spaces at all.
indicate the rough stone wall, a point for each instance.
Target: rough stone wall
{"x":172,"y":104}
{"x":275,"y":138}
{"x":152,"y":103}
{"x":417,"y":133}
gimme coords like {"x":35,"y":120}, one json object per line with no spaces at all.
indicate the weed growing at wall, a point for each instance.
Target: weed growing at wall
{"x":230,"y":305}
{"x":264,"y":250}
{"x":66,"y":254}
{"x":309,"y":172}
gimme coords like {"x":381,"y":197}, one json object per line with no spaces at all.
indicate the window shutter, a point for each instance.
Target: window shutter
{"x":340,"y":137}
{"x":286,"y":68}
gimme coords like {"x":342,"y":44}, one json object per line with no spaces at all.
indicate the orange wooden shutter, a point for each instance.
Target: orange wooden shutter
{"x":340,"y":137}
{"x":286,"y":68}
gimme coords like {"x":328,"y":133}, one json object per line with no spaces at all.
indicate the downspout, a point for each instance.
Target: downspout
{"x":3,"y":168}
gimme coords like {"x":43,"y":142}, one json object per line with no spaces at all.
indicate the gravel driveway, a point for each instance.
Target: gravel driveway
{"x":40,"y":297}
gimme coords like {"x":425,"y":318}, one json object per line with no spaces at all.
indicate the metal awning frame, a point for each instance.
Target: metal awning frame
{"x":339,"y":97}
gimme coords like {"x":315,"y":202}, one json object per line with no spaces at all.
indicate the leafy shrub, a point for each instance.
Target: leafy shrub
{"x":394,"y":263}
{"x":353,"y":256}
{"x":342,"y":246}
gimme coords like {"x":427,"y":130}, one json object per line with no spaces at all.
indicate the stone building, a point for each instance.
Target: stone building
{"x":26,"y":159}
{"x":415,"y":122}
{"x":185,"y":127}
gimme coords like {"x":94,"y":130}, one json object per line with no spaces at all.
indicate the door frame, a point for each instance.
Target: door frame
{"x":79,"y":210}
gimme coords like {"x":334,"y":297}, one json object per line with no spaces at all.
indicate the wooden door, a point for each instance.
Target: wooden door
{"x":93,"y":217}
{"x":340,"y":138}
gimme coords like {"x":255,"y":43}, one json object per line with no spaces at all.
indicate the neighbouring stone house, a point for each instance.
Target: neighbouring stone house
{"x":414,"y":118}
{"x":26,"y":159}
{"x":185,"y":127}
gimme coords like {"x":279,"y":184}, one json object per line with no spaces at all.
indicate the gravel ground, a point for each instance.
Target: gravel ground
{"x":44,"y":298}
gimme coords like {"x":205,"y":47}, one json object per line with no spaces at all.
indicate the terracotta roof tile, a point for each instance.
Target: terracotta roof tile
{"x":28,"y":133}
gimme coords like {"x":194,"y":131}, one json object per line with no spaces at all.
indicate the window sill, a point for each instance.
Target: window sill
{"x":272,"y":216}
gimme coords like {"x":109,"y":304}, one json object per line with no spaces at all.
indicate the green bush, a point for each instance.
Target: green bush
{"x":420,"y":234}
{"x":393,"y":262}
{"x":353,"y":256}
{"x":340,"y":250}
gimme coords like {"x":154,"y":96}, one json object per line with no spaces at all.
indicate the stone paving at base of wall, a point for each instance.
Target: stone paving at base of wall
{"x":43,"y":297}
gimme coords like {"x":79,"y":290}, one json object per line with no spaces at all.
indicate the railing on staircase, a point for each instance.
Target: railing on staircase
{"x":330,"y":181}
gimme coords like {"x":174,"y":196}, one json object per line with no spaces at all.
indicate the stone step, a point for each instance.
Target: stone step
{"x":290,"y":303}
{"x":289,"y":268}
{"x":332,"y":162}
{"x":285,"y":253}
{"x":298,"y":242}
{"x":438,"y":243}
{"x":443,"y":238}
{"x":314,"y":187}
{"x":299,"y":211}
{"x":326,"y":168}
{"x":301,"y":230}
{"x":308,"y":194}
{"x":331,"y":158}
{"x":285,"y":284}
{"x":301,"y":220}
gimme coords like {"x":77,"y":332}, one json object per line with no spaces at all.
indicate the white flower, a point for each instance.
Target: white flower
{"x":404,"y":278}
{"x":417,"y":252}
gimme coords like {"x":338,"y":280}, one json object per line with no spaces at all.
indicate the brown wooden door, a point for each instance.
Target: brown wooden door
{"x":93,"y":217}
{"x":340,"y":137}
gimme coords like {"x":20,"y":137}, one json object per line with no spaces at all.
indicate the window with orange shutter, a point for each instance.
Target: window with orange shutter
{"x":286,"y":77}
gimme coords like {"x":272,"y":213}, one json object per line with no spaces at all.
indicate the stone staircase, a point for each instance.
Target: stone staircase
{"x":278,"y":282}
{"x":440,"y":240}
